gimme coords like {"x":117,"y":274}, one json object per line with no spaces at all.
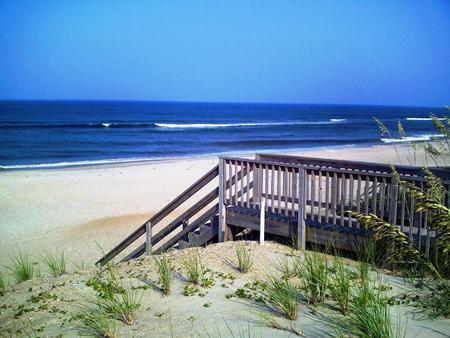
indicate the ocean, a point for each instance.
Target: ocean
{"x":39,"y":134}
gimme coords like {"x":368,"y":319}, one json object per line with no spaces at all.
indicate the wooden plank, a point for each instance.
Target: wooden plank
{"x":230,"y":196}
{"x":343,"y":198}
{"x":285,"y":189}
{"x":374,"y":195}
{"x":272,"y":188}
{"x":411,"y":218}
{"x":266,"y":185}
{"x":279,"y":187}
{"x":301,"y":229}
{"x":334,"y":197}
{"x":350,"y":198}
{"x":247,"y":194}
{"x":366,"y":194}
{"x":313,"y":194}
{"x":294,"y":191}
{"x":222,"y":207}
{"x":327,"y":197}
{"x":358,"y":194}
{"x":382,"y":197}
{"x":148,"y":238}
{"x":393,"y":202}
{"x":402,"y":213}
{"x":319,"y":210}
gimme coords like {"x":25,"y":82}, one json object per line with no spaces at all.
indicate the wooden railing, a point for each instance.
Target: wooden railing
{"x":147,"y":227}
{"x":322,"y":191}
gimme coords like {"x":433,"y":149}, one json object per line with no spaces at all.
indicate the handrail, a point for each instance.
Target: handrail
{"x":442,"y":172}
{"x":294,"y":166}
{"x":180,"y":199}
{"x":140,"y":250}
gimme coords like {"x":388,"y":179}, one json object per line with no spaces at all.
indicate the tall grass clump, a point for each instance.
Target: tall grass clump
{"x":113,"y":298}
{"x":94,"y":320}
{"x":313,"y":271}
{"x":365,"y":252}
{"x":340,"y":285}
{"x":22,"y":268}
{"x":369,"y":313}
{"x":55,"y":262}
{"x":244,"y":257}
{"x":164,"y":264}
{"x":122,"y":306}
{"x":193,"y":267}
{"x":282,"y":295}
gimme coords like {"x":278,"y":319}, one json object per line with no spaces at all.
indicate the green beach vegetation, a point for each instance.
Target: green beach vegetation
{"x":165,"y":270}
{"x":244,"y":257}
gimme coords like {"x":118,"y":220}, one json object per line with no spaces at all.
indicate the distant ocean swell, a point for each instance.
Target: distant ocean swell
{"x":170,"y":125}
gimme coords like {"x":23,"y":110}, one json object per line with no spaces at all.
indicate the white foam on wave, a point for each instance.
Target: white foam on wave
{"x":423,"y":118}
{"x":411,"y":138}
{"x":77,"y":163}
{"x":243,"y":124}
{"x":106,"y":125}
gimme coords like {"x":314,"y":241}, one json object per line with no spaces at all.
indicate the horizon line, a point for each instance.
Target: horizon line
{"x":224,"y":102}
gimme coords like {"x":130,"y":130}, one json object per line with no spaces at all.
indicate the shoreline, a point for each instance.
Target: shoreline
{"x":122,"y":163}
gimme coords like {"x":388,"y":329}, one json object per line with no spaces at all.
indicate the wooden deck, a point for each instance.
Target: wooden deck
{"x":305,"y":198}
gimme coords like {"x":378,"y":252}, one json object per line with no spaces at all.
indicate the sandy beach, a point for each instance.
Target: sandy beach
{"x":83,"y":208}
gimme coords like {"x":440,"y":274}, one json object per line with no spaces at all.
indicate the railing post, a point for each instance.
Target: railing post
{"x":257,"y":180}
{"x":262,"y":220}
{"x":148,"y":238}
{"x":301,"y":228}
{"x":222,"y":207}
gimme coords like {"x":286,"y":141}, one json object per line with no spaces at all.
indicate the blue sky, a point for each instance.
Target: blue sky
{"x":360,"y":52}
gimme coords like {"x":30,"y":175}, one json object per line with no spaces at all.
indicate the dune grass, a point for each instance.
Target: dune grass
{"x":369,"y":313}
{"x":55,"y":262}
{"x":22,"y":268}
{"x":113,"y":298}
{"x":282,"y":295}
{"x":340,"y":285}
{"x":122,"y":306}
{"x":92,"y":319}
{"x":244,"y":257}
{"x":164,"y":264}
{"x":313,"y":274}
{"x":193,"y":267}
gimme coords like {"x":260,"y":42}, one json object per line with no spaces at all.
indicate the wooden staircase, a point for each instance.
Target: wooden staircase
{"x":196,"y":226}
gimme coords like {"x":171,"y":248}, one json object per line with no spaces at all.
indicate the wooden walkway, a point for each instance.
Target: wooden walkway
{"x":305,"y":198}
